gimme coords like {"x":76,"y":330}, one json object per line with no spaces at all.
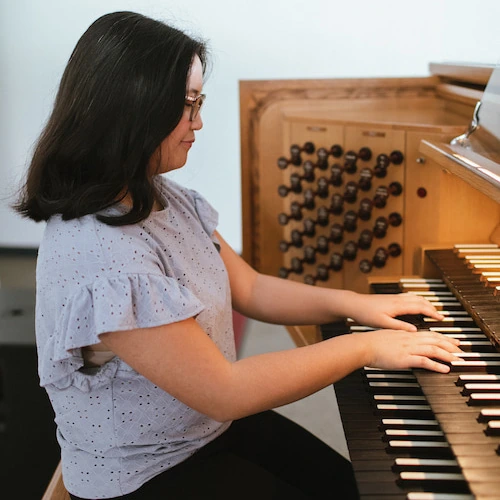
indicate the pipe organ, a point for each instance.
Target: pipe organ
{"x":391,"y":186}
{"x":340,"y":181}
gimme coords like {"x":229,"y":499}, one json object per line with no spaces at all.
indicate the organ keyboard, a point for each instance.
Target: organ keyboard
{"x":414,"y":434}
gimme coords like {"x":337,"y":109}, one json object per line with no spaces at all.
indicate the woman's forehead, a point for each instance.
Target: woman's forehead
{"x":195,"y":78}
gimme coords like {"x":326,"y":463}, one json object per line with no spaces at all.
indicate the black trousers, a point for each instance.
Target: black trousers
{"x":264,"y":456}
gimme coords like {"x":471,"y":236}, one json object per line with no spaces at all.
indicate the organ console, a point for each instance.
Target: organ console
{"x":414,"y":434}
{"x":403,"y":196}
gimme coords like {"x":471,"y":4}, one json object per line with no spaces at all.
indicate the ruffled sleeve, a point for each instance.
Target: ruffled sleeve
{"x":209,"y":217}
{"x":110,"y":304}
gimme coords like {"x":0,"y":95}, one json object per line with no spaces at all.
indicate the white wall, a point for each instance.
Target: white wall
{"x":257,"y":39}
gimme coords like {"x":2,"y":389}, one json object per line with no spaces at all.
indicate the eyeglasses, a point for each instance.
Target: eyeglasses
{"x":195,"y":103}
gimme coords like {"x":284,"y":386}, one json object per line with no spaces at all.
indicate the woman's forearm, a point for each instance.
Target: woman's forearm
{"x":274,"y":300}
{"x":289,"y":375}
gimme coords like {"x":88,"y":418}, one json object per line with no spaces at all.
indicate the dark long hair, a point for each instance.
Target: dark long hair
{"x":121,"y":94}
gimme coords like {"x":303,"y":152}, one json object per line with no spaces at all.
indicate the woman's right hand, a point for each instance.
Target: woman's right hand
{"x":398,"y":349}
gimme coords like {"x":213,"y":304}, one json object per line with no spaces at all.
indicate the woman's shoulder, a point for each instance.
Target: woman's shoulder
{"x":87,"y":231}
{"x":189,"y":199}
{"x":60,"y":232}
{"x":94,"y":245}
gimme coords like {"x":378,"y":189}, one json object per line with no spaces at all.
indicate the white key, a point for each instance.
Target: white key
{"x":413,"y":432}
{"x":450,"y":319}
{"x":460,"y":246}
{"x":490,"y":355}
{"x":419,"y":284}
{"x":438,"y":496}
{"x":455,"y":329}
{"x":395,"y":385}
{"x":479,"y":377}
{"x":418,"y":444}
{"x":429,"y":462}
{"x":398,"y":376}
{"x":431,"y":476}
{"x":420,"y":280}
{"x":409,"y":421}
{"x":395,"y":397}
{"x":386,"y":407}
{"x":482,"y":387}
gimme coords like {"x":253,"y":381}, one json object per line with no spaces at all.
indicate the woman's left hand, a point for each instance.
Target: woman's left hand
{"x":380,"y":310}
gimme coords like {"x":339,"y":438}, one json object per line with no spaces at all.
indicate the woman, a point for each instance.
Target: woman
{"x":135,"y":289}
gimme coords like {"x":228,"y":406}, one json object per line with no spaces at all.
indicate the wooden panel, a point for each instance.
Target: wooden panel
{"x":476,"y":170}
{"x":421,"y":212}
{"x":282,"y":125}
{"x":379,"y":141}
{"x":322,"y":135}
{"x":452,"y":212}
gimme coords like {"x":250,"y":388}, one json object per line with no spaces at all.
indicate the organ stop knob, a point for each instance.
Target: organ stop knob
{"x":295,"y":151}
{"x":365,"y":179}
{"x":350,"y":250}
{"x":380,"y":257}
{"x":365,"y":209}
{"x":350,"y":221}
{"x":337,"y":204}
{"x":365,"y":239}
{"x":336,"y":261}
{"x":336,"y":233}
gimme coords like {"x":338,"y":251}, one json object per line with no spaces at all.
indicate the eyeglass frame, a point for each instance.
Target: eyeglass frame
{"x":195,"y":103}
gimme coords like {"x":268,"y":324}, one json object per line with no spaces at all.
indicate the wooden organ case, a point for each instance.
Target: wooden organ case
{"x":391,"y":185}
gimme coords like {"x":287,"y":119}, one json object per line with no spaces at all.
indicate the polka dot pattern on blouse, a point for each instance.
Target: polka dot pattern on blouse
{"x":116,"y":428}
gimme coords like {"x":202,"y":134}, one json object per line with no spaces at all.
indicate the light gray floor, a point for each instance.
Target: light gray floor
{"x":319,"y":412}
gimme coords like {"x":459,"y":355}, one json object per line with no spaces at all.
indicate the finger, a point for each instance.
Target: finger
{"x":396,"y":324}
{"x":429,"y":364}
{"x":425,"y":307}
{"x":437,"y":353}
{"x":435,"y":347}
{"x":449,"y":343}
{"x":433,"y":313}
